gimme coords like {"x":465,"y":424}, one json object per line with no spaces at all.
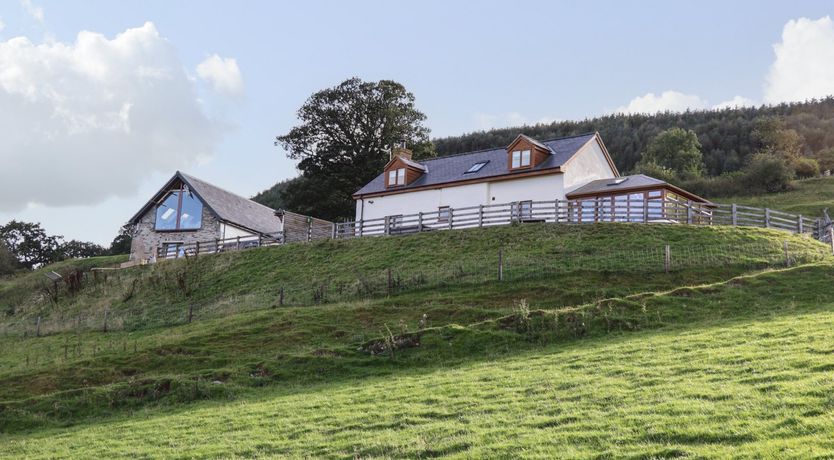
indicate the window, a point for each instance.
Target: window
{"x":522,"y":210}
{"x":521,"y":159}
{"x":476,"y":167}
{"x":172,"y":250}
{"x":395,"y":221}
{"x":617,"y":181}
{"x":180,"y":210}
{"x":396,"y":177}
{"x":443,"y":214}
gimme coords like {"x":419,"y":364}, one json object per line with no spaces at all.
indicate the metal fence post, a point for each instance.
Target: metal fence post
{"x":787,"y":256}
{"x":501,"y":264}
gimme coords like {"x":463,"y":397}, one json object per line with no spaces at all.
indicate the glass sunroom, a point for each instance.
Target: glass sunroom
{"x":637,"y":198}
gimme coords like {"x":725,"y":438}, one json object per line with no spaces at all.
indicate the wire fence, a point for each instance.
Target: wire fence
{"x":501,"y":266}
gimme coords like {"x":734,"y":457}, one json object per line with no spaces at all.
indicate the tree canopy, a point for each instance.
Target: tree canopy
{"x":676,"y":150}
{"x":343,"y":141}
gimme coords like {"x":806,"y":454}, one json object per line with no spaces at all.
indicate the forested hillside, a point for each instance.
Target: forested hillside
{"x":726,"y":136}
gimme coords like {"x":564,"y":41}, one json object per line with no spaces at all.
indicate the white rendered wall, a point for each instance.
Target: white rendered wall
{"x":587,"y":165}
{"x":537,"y":188}
{"x":229,"y":231}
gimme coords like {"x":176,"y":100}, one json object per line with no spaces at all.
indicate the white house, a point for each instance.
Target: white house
{"x":576,"y":168}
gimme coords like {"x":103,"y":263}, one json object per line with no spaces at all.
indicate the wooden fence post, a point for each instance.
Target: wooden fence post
{"x":831,"y":238}
{"x":105,"y":320}
{"x":197,"y":248}
{"x":501,"y":264}
{"x":645,"y":211}
{"x":787,"y":256}
{"x":38,"y":328}
{"x":387,"y":225}
{"x":216,"y":246}
{"x":190,"y":312}
{"x":451,"y":218}
{"x":735,"y":215}
{"x":419,"y":221}
{"x":309,"y":229}
{"x":281,"y":297}
{"x":667,"y":258}
{"x":689,"y":212}
{"x":800,"y":225}
{"x":480,"y":215}
{"x":333,"y":231}
{"x":238,"y":243}
{"x":767,"y":217}
{"x":361,"y":226}
{"x":556,"y":211}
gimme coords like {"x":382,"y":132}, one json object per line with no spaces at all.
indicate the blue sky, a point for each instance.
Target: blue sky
{"x":471,"y":66}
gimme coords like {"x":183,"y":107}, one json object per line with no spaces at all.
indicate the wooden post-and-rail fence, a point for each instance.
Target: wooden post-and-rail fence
{"x":298,"y":228}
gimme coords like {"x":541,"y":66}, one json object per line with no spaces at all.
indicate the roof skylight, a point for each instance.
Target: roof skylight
{"x":476,"y":167}
{"x":617,"y":181}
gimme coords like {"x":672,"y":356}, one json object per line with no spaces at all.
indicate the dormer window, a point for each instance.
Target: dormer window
{"x":396,"y":177}
{"x":521,"y":159}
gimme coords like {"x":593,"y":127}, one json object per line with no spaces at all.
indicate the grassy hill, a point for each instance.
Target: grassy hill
{"x":586,"y":348}
{"x":808,"y":197}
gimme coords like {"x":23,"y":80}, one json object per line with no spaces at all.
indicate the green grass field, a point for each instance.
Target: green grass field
{"x":604,"y":357}
{"x":809,"y":197}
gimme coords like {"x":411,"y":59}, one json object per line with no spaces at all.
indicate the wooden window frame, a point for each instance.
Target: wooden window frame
{"x":440,"y":210}
{"x":521,"y":164}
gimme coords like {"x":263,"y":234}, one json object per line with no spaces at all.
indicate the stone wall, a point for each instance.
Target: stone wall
{"x":146,"y":239}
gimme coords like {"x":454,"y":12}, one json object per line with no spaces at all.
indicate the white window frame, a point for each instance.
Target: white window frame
{"x":396,"y":177}
{"x":521,"y":158}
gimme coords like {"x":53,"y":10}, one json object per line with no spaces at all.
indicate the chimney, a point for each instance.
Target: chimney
{"x":400,"y":150}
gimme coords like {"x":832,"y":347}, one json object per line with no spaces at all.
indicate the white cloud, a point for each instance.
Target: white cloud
{"x":2,"y":25}
{"x":222,"y":73}
{"x":736,"y":101}
{"x":672,"y":101}
{"x":804,"y":65}
{"x":86,"y":121}
{"x":35,"y":11}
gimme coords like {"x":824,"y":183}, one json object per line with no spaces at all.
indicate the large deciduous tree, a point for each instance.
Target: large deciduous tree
{"x":675,"y":150}
{"x":8,"y":263}
{"x":30,"y":244}
{"x":343,"y":141}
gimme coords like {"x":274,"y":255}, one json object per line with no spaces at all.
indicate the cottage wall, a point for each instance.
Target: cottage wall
{"x":146,"y":239}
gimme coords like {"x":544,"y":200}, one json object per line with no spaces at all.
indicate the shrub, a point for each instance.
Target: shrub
{"x":806,"y":167}
{"x":767,"y":172}
{"x":825,"y":158}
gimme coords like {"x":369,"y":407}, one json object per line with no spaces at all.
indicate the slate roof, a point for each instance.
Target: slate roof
{"x":616,"y":184}
{"x":625,"y":183}
{"x":227,"y":206}
{"x":452,"y":168}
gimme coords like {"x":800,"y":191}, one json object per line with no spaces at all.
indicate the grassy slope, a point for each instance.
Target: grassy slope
{"x":809,"y":197}
{"x":312,"y":349}
{"x":732,"y":369}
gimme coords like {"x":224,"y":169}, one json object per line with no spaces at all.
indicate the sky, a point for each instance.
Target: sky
{"x":102,"y":101}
